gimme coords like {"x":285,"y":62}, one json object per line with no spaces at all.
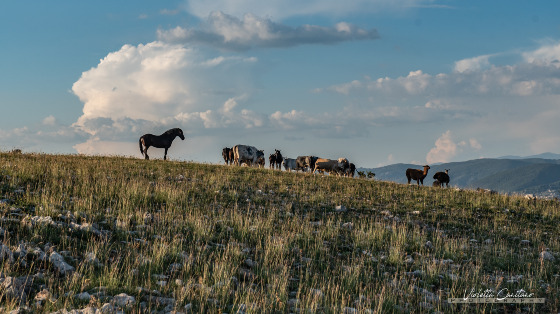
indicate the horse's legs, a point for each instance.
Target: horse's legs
{"x":165,"y":155}
{"x":146,"y":153}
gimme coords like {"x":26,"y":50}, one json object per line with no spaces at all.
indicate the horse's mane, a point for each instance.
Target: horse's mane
{"x":171,"y":131}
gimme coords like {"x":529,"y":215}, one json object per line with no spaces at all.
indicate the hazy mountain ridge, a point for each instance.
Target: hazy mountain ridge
{"x":537,"y":176}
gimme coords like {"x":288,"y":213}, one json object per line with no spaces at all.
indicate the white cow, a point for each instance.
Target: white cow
{"x":247,"y":154}
{"x":289,"y":164}
{"x":331,"y":166}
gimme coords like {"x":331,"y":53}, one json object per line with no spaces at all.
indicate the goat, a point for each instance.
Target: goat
{"x":417,"y":174}
{"x":442,"y":177}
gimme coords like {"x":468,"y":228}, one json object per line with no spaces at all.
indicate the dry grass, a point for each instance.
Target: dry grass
{"x":229,"y":239}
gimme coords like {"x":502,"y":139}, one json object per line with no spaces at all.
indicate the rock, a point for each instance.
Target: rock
{"x":14,"y":288}
{"x":488,"y":241}
{"x":340,"y":208}
{"x":547,"y":256}
{"x":245,"y":274}
{"x":20,"y":252}
{"x":44,"y":295}
{"x":108,"y":308}
{"x":123,"y":300}
{"x":525,"y":242}
{"x":349,"y":310}
{"x":188,"y":308}
{"x":6,"y":254}
{"x":84,"y":296}
{"x":348,"y":225}
{"x":250,"y":263}
{"x":409,"y":260}
{"x":426,"y":305}
{"x":293,"y":303}
{"x":429,"y":245}
{"x":59,"y":264}
{"x":175,"y":268}
{"x":90,"y":258}
{"x":317,"y":293}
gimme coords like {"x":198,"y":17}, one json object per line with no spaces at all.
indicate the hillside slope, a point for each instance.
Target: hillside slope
{"x":123,"y":234}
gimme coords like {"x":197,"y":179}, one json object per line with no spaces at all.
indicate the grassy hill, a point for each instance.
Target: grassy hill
{"x":109,"y":233}
{"x":521,"y":176}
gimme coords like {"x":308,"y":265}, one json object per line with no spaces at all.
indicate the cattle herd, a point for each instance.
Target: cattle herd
{"x":250,"y":156}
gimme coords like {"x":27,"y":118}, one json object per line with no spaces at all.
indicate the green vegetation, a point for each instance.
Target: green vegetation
{"x":159,"y":236}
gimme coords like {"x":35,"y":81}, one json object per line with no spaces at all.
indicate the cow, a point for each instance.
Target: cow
{"x":305,"y":162}
{"x":278,"y":159}
{"x":331,"y":166}
{"x":227,"y":154}
{"x":351,"y":170}
{"x":289,"y":164}
{"x":247,"y":154}
{"x":272,"y":161}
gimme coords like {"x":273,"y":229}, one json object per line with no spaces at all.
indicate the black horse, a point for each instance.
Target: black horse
{"x":159,"y":141}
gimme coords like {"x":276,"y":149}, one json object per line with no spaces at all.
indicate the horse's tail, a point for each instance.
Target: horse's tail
{"x":140,"y":144}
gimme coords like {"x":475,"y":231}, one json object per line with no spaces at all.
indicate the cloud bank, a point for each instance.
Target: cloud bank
{"x":228,"y":32}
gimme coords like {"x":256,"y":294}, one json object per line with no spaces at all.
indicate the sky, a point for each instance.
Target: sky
{"x":375,"y":81}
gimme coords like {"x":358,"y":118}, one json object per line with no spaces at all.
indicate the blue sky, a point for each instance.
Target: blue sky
{"x":378,"y":82}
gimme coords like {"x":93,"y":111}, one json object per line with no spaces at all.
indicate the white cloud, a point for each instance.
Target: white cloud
{"x":547,"y":54}
{"x":49,"y":121}
{"x":472,"y":64}
{"x":444,"y":149}
{"x":475,"y":144}
{"x":228,"y":32}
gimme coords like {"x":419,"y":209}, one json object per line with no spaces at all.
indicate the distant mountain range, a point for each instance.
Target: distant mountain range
{"x":538,"y":175}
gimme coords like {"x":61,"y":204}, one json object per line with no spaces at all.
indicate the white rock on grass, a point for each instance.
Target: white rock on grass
{"x":6,"y":254}
{"x":59,"y":264}
{"x":547,"y":256}
{"x":123,"y":300}
{"x":14,"y":288}
{"x":340,"y":208}
{"x":84,"y":296}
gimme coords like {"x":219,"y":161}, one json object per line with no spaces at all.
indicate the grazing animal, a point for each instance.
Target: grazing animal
{"x":417,"y":174}
{"x":275,"y":160}
{"x":329,"y":165}
{"x":351,"y":170}
{"x":278,"y":160}
{"x":442,"y":177}
{"x":159,"y":141}
{"x":436,"y":184}
{"x":370,"y":175}
{"x":227,"y":154}
{"x":361,"y":174}
{"x":272,"y":161}
{"x":289,"y":164}
{"x":247,"y":154}
{"x":260,"y":161}
{"x":305,"y":163}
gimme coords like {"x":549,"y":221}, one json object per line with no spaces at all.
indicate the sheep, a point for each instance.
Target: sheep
{"x":442,"y":177}
{"x":417,"y":174}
